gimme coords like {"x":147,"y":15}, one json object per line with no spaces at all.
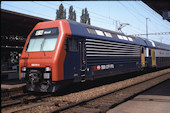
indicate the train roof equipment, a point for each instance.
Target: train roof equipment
{"x":79,"y":29}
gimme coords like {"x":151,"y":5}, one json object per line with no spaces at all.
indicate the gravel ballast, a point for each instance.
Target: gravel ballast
{"x":93,"y":92}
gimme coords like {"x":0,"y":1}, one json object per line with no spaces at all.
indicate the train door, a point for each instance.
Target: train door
{"x":142,"y":56}
{"x":83,"y":64}
{"x":153,"y":58}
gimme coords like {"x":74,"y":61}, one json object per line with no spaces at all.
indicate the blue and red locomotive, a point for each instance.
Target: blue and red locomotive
{"x":61,"y":50}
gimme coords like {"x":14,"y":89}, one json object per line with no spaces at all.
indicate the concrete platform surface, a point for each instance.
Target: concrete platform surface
{"x":4,"y":86}
{"x":155,"y":100}
{"x":11,"y":84}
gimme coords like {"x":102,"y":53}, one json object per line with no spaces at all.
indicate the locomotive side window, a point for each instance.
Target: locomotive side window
{"x":107,"y":34}
{"x":73,"y":44}
{"x":92,"y":31}
{"x":130,"y":39}
{"x":125,"y":38}
{"x":99,"y":32}
{"x":120,"y":37}
{"x":114,"y":35}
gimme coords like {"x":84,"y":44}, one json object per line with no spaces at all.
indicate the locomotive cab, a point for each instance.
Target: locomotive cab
{"x":43,"y":55}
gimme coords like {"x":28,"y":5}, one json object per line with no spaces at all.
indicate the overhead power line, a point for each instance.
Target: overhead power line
{"x":152,"y":12}
{"x":77,"y":12}
{"x":129,"y":10}
{"x":91,"y":12}
{"x":98,"y":17}
{"x":162,"y":33}
{"x":26,"y":10}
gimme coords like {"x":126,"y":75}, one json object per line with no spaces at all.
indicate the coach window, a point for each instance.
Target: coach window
{"x":142,"y":50}
{"x":149,"y":52}
{"x":125,"y":38}
{"x":73,"y":44}
{"x":133,"y":39}
{"x":130,"y":39}
{"x":114,"y":35}
{"x":107,"y":34}
{"x":120,"y":37}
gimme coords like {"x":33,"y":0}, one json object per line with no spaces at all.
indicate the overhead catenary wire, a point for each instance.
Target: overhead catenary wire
{"x":141,"y":15}
{"x":26,"y":10}
{"x":92,"y":12}
{"x":160,"y":33}
{"x":160,"y":23}
{"x":44,"y":5}
{"x":140,"y":4}
{"x":97,"y":18}
{"x":154,"y":27}
{"x":39,"y":13}
{"x":129,"y":11}
{"x":155,"y":20}
{"x":100,"y":16}
{"x":76,"y":11}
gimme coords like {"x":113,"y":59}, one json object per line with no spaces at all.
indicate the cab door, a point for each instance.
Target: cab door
{"x":83,"y":63}
{"x":82,"y":56}
{"x":153,"y":58}
{"x":142,"y":56}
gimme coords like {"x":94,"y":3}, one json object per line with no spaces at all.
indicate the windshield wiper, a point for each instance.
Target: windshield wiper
{"x":28,"y":54}
{"x":43,"y":52}
{"x":42,"y":47}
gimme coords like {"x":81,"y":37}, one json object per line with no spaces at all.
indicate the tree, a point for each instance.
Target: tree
{"x":89,"y":21}
{"x":84,"y":18}
{"x":61,"y":12}
{"x":72,"y":14}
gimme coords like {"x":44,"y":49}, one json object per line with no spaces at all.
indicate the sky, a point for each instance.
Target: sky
{"x":104,"y":14}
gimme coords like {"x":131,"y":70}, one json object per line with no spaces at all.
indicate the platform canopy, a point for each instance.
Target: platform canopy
{"x":162,"y":7}
{"x":15,"y":28}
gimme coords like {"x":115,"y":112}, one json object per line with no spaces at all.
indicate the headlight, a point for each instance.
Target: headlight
{"x":23,"y":68}
{"x":46,"y":75}
{"x":48,"y":69}
{"x":23,"y":75}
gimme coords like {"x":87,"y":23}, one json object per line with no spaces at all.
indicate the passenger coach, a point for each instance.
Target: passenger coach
{"x":59,"y":51}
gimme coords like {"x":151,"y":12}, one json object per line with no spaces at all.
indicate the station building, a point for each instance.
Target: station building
{"x":15,"y":28}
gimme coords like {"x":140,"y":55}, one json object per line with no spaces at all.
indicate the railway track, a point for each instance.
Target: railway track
{"x":103,"y":103}
{"x":99,"y":101}
{"x":23,"y":99}
{"x":7,"y":94}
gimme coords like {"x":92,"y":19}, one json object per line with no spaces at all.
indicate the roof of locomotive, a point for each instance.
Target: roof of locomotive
{"x":80,"y":29}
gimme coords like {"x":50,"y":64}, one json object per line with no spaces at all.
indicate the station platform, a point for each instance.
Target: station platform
{"x":12,"y":88}
{"x":155,"y":100}
{"x":11,"y":84}
{"x":9,"y":75}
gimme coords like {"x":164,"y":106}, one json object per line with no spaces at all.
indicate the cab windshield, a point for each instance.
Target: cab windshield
{"x":43,"y":40}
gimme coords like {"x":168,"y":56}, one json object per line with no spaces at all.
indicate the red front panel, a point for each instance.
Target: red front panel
{"x":54,"y":59}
